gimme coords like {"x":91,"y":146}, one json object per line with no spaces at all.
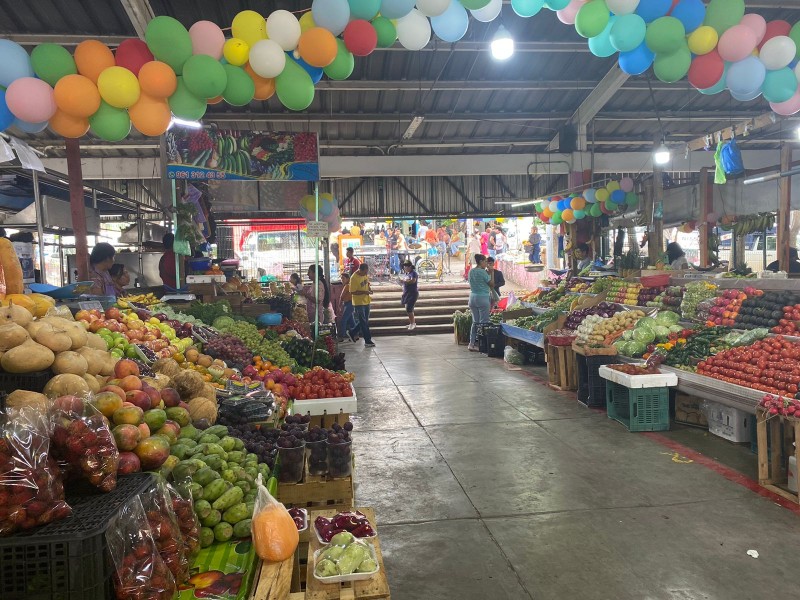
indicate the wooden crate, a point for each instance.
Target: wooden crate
{"x":327,"y":420}
{"x":274,"y":580}
{"x":689,"y":411}
{"x":318,"y":492}
{"x":562,"y":368}
{"x":772,"y":460}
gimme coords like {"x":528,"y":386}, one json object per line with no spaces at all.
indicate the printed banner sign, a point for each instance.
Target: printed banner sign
{"x":211,"y":153}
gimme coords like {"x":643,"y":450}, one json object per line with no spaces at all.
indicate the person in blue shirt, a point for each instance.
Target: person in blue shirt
{"x":480,"y":298}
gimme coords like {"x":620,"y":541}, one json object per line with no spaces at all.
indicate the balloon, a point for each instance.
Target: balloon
{"x":77,"y":96}
{"x":703,"y":40}
{"x":636,"y":61}
{"x":775,"y":29}
{"x":567,"y":215}
{"x":342,"y":66}
{"x":589,"y":195}
{"x":360,"y":37}
{"x":236,"y":52}
{"x":6,"y":116}
{"x":249,"y":26}
{"x":264,"y":88}
{"x":333,"y":15}
{"x":691,"y":13}
{"x":608,"y":208}
{"x":239,"y":87}
{"x":185,"y":105}
{"x":746,"y":97}
{"x":737,"y":43}
{"x":612,"y":186}
{"x":150,"y":116}
{"x":109,"y":123}
{"x":315,"y":73}
{"x":779,"y":86}
{"x":14,"y":62}
{"x":556,"y":219}
{"x":794,"y":33}
{"x":29,"y":127}
{"x":283,"y":28}
{"x":488,"y":13}
{"x":617,"y":197}
{"x":92,"y":58}
{"x":757,"y":23}
{"x":600,"y":45}
{"x":778,"y":52}
{"x":567,"y":15}
{"x":30,"y":100}
{"x":673,"y":67}
{"x":746,"y":76}
{"x":577,"y":203}
{"x":204,"y":76}
{"x":665,"y":35}
{"x":595,"y":210}
{"x":556,"y":5}
{"x":294,"y":87}
{"x":622,"y":7}
{"x":627,"y":32}
{"x":578,"y":214}
{"x":68,"y":126}
{"x":207,"y":38}
{"x":788,"y":108}
{"x":631,"y":199}
{"x":267,"y":58}
{"x":157,"y":79}
{"x":396,"y":9}
{"x":554,"y":207}
{"x":364,"y":9}
{"x":724,"y":14}
{"x":414,"y":31}
{"x":118,"y":87}
{"x":475,"y":5}
{"x":717,"y":87}
{"x":626,"y":184}
{"x":528,"y":8}
{"x":432,"y":8}
{"x":307,"y":21}
{"x":546,"y":212}
{"x":51,"y":62}
{"x":650,"y":10}
{"x":169,"y":42}
{"x":317,"y":46}
{"x":592,"y":18}
{"x":387,"y":34}
{"x":452,"y":24}
{"x":602,"y":195}
{"x":563,"y":205}
{"x":707,"y":70}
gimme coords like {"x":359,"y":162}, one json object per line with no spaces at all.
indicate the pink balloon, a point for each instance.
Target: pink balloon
{"x":757,"y":23}
{"x":567,"y":15}
{"x":737,"y":43}
{"x":207,"y":38}
{"x":31,"y":100}
{"x":626,"y":184}
{"x":785,"y":109}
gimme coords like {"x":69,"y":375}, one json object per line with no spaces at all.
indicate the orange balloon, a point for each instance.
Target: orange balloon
{"x":547,"y":213}
{"x":92,"y":58}
{"x":157,"y":79}
{"x":68,"y":126}
{"x":265,"y":88}
{"x":317,"y":47}
{"x":76,"y":95}
{"x":150,"y":116}
{"x":214,"y":100}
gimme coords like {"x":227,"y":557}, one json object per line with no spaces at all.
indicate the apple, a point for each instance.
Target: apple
{"x":125,"y":367}
{"x":139,"y":398}
{"x":153,"y":394}
{"x":130,"y":383}
{"x":113,"y":313}
{"x":170,"y":397}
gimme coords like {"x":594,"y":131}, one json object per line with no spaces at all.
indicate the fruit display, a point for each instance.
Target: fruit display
{"x":648,"y":294}
{"x":768,"y":309}
{"x":537,"y":322}
{"x":778,"y":405}
{"x":635,"y":369}
{"x":300,"y":518}
{"x":353,"y":522}
{"x":132,"y":301}
{"x":623,"y":292}
{"x":577,"y":286}
{"x":346,"y":555}
{"x":320,"y":383}
{"x":696,"y":292}
{"x":257,"y":343}
{"x":230,"y":349}
{"x":550,"y":298}
{"x":603,"y":309}
{"x":646,"y":332}
{"x":600,"y":331}
{"x":726,"y":308}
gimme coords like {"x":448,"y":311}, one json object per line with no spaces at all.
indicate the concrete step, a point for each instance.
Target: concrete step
{"x":450,"y":303}
{"x":376,"y":312}
{"x":402,"y":319}
{"x":403,"y":330}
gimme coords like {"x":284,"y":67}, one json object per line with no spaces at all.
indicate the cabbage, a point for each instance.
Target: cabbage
{"x":661,"y":332}
{"x":620,"y":345}
{"x":667,"y":318}
{"x":627,"y":335}
{"x":643,"y":335}
{"x":675,"y":328}
{"x":646,"y":322}
{"x":222,"y":322}
{"x":636,"y":349}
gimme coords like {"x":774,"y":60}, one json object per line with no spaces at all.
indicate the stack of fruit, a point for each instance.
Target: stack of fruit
{"x":726,"y":309}
{"x":148,"y":299}
{"x":767,"y":309}
{"x":623,"y":292}
{"x":648,"y":295}
{"x":320,"y":383}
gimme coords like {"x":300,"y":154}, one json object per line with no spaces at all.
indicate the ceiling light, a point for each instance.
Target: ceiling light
{"x":413,"y":126}
{"x":502,"y":44}
{"x":185,"y":123}
{"x":524,"y":203}
{"x":661,"y":155}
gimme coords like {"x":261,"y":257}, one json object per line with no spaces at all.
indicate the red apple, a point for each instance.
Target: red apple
{"x":113,"y":313}
{"x":170,"y":397}
{"x":139,"y":398}
{"x":153,"y":393}
{"x":125,"y":367}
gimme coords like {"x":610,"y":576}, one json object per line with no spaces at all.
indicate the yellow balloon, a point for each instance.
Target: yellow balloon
{"x":703,"y":40}
{"x":612,"y":186}
{"x":249,"y":26}
{"x":118,"y":87}
{"x":307,"y":22}
{"x":602,"y":195}
{"x":307,"y":202}
{"x":236,"y":52}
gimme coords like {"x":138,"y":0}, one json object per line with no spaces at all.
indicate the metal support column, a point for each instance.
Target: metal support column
{"x":37,"y":200}
{"x":784,"y":209}
{"x":77,"y":208}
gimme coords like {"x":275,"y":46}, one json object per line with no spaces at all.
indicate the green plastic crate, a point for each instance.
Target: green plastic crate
{"x":642,"y":409}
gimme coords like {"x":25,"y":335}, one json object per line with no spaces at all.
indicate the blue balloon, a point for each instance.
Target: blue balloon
{"x":650,"y":10}
{"x":29,"y":127}
{"x":691,"y":13}
{"x":333,"y":15}
{"x":600,"y":45}
{"x":6,"y":118}
{"x":313,"y":72}
{"x":746,"y":97}
{"x":778,"y":86}
{"x":396,"y":9}
{"x":14,"y":62}
{"x":745,"y":77}
{"x":452,"y":24}
{"x":636,"y":61}
{"x":589,"y":195}
{"x":325,"y":208}
{"x":563,"y":204}
{"x":618,"y":196}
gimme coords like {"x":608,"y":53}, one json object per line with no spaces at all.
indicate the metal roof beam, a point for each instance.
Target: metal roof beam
{"x":364,"y":85}
{"x":140,"y":14}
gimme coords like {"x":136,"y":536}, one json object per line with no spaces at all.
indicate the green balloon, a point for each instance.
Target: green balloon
{"x":364,"y":9}
{"x":204,"y":76}
{"x":631,"y":199}
{"x":556,"y":4}
{"x":527,"y":8}
{"x":795,"y":35}
{"x":592,"y":18}
{"x":387,"y":32}
{"x":474,"y":4}
{"x":556,"y":219}
{"x":109,"y":123}
{"x":610,"y":206}
{"x":294,"y":87}
{"x":240,"y":89}
{"x":673,"y":67}
{"x":665,"y":35}
{"x":186,"y":105}
{"x":51,"y":62}
{"x":169,"y":42}
{"x":342,"y":66}
{"x":724,"y":14}
{"x":595,"y":210}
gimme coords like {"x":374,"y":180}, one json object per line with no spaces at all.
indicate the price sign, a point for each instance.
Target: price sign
{"x":317,"y":229}
{"x":93,"y":305}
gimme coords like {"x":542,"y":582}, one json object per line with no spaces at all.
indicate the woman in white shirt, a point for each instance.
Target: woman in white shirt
{"x":676,"y":257}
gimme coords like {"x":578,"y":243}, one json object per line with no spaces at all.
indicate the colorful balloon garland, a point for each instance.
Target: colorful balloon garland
{"x":615,"y":196}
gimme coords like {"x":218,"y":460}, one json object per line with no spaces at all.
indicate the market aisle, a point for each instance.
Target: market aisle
{"x":488,"y":485}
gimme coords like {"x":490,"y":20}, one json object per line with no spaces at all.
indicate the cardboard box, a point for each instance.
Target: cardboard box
{"x":688,"y":410}
{"x":223,"y":571}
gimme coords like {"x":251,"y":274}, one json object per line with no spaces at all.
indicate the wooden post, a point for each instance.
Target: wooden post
{"x":77,"y":208}
{"x":784,"y":209}
{"x":706,"y":206}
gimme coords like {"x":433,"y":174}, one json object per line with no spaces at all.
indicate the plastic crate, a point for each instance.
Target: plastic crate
{"x":592,"y":387}
{"x":33,"y":382}
{"x":67,"y":560}
{"x":484,"y":331}
{"x":495,"y":341}
{"x":728,"y":423}
{"x":638,"y":409}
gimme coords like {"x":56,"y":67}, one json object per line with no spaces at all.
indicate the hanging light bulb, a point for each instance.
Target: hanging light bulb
{"x":502,"y":45}
{"x":661,"y":155}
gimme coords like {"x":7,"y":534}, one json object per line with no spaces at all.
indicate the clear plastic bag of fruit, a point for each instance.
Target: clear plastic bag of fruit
{"x":139,"y":571}
{"x":187,"y":520}
{"x":31,"y":489}
{"x":165,"y":529}
{"x":274,"y":531}
{"x":83,"y":443}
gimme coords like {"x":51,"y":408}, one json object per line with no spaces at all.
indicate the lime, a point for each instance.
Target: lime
{"x":130,"y":352}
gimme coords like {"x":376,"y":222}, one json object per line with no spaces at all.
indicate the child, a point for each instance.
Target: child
{"x":296,"y":282}
{"x":349,"y":325}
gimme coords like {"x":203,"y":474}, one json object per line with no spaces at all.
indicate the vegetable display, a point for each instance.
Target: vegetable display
{"x":696,"y":292}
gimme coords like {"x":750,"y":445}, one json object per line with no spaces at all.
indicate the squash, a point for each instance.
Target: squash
{"x":16,"y":314}
{"x":275,"y":535}
{"x":12,"y":269}
{"x":11,"y":336}
{"x":70,"y":362}
{"x":53,"y":337}
{"x":21,"y":398}
{"x":203,"y":408}
{"x":66,"y":384}
{"x":20,"y":300}
{"x":42,"y":304}
{"x":27,"y":358}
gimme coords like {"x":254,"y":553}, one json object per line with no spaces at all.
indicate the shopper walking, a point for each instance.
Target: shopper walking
{"x":349,"y":324}
{"x":480,"y":294}
{"x":534,"y":245}
{"x":410,"y":292}
{"x":361,"y":290}
{"x":351,"y":263}
{"x":499,"y":241}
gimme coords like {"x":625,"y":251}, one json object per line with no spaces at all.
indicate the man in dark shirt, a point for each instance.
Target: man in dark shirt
{"x":497,"y":275}
{"x":794,"y":263}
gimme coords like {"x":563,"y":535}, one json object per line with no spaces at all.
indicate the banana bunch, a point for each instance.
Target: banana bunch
{"x":149,"y":299}
{"x":233,"y":155}
{"x":752,"y":223}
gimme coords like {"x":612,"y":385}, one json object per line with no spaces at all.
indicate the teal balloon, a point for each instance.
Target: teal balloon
{"x":556,"y":4}
{"x":579,"y":214}
{"x":592,"y":18}
{"x":294,"y":87}
{"x":673,"y":67}
{"x":527,"y":8}
{"x":779,"y":85}
{"x":110,"y":124}
{"x":474,"y":4}
{"x":186,"y":105}
{"x":627,"y":32}
{"x":51,"y":62}
{"x":595,"y":210}
{"x":364,"y":9}
{"x":720,"y":85}
{"x":396,"y":9}
{"x":169,"y":42}
{"x":600,"y":45}
{"x":631,"y":199}
{"x":665,"y":35}
{"x":724,"y":14}
{"x":556,"y":219}
{"x":342,"y":66}
{"x":240,"y":87}
{"x":204,"y":76}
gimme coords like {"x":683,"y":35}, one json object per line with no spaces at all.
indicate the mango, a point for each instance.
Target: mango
{"x":155,"y":418}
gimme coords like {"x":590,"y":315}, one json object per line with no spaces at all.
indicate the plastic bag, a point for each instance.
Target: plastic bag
{"x":512,"y":356}
{"x":140,"y":573}
{"x":274,"y":531}
{"x":732,"y":161}
{"x":31,"y":490}
{"x":164,"y":527}
{"x":82,"y":440}
{"x":187,"y":520}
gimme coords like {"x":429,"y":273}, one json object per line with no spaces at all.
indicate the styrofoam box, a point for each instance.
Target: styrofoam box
{"x":638,"y":381}
{"x":352,"y":576}
{"x":792,"y":474}
{"x":728,"y":423}
{"x":205,"y":278}
{"x":331,"y":406}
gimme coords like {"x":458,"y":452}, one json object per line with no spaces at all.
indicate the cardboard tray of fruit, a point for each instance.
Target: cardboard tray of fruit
{"x":638,"y":381}
{"x":351,"y":576}
{"x":330,"y":406}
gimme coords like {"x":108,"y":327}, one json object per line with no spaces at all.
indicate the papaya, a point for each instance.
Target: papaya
{"x":12,"y":269}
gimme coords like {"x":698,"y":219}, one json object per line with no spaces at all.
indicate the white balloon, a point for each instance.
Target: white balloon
{"x":778,"y":52}
{"x":489,"y":12}
{"x":284,"y":28}
{"x":414,"y":31}
{"x":622,"y":7}
{"x":432,"y":8}
{"x":267,"y":58}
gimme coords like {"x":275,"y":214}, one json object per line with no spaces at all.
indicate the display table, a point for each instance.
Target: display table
{"x":708,"y":388}
{"x":523,"y":335}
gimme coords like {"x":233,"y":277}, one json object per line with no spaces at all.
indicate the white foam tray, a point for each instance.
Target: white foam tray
{"x":330,"y":406}
{"x":638,"y":381}
{"x":352,"y":576}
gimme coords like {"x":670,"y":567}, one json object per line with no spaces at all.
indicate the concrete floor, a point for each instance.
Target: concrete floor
{"x":489,"y":486}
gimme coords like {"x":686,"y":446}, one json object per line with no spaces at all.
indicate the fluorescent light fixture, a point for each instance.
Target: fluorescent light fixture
{"x":413,"y":126}
{"x":502,"y":45}
{"x":524,"y":203}
{"x":185,"y":123}
{"x":662,"y":154}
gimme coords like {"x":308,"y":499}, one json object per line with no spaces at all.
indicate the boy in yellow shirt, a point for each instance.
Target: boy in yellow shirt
{"x":361,"y":290}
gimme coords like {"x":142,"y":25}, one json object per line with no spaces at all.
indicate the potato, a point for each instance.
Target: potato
{"x":94,"y":359}
{"x":95,"y":341}
{"x":12,"y":335}
{"x":27,"y":358}
{"x":91,"y":381}
{"x":74,"y":330}
{"x":109,"y":362}
{"x":54,"y":338}
{"x":70,"y":362}
{"x":66,"y":384}
{"x":20,"y":398}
